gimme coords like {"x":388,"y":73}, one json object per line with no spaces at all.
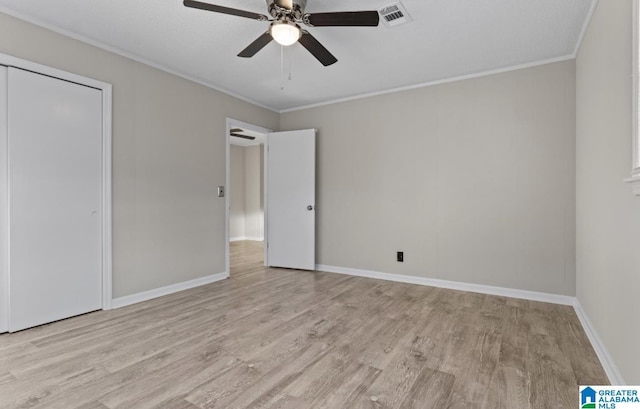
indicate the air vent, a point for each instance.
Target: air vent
{"x":394,"y":15}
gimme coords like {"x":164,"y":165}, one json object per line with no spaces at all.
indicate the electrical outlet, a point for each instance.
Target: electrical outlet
{"x":400,"y":256}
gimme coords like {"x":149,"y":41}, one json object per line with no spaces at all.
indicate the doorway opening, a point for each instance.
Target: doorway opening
{"x":245,"y":186}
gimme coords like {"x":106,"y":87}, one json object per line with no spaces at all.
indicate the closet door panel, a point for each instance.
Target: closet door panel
{"x":55,"y":187}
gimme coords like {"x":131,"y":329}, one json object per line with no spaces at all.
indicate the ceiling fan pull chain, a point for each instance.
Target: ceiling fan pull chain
{"x":281,"y":68}
{"x":289,"y":58}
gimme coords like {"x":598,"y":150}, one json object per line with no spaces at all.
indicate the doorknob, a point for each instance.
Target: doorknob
{"x":309,"y":207}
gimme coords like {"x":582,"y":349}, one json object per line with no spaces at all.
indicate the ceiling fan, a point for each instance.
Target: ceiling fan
{"x":286,"y":17}
{"x":236,"y":132}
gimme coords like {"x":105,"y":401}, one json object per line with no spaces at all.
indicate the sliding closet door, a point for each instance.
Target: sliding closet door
{"x":55,"y":131}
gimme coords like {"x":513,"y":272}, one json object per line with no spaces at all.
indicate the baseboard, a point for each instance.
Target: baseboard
{"x":170,"y":289}
{"x":249,"y":238}
{"x":453,"y":285}
{"x":615,"y":377}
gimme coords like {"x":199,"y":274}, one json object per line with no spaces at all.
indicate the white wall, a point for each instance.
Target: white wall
{"x":473,"y":180}
{"x":168,"y":159}
{"x":254,"y":214}
{"x":608,"y":215}
{"x":236,"y":213}
{"x":247,"y":210}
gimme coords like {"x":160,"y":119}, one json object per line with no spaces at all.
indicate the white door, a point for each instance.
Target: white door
{"x":55,"y":190}
{"x":290,"y":199}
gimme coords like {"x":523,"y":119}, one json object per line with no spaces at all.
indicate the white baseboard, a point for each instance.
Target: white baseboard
{"x":453,"y":285}
{"x":170,"y":289}
{"x":250,"y":238}
{"x":615,"y":377}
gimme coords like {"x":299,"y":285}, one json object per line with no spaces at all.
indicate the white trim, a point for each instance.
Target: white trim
{"x":107,"y":224}
{"x":107,"y":248}
{"x":265,"y":195}
{"x":452,"y":285}
{"x":117,"y":51}
{"x":234,"y":123}
{"x":4,"y":204}
{"x":247,"y":238}
{"x":635,"y":184}
{"x":170,"y":289}
{"x":585,"y":27}
{"x":11,"y":61}
{"x":609,"y":366}
{"x":432,"y":83}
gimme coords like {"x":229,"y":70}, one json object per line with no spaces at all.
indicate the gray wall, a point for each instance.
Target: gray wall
{"x":168,"y":158}
{"x":473,"y":180}
{"x":608,"y":215}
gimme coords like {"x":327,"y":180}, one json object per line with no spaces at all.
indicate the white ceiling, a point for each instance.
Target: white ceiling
{"x":447,"y":39}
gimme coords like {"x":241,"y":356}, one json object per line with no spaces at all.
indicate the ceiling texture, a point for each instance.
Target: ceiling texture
{"x":446,"y":39}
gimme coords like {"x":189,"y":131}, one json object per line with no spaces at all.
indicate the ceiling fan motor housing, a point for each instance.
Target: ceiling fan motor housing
{"x":278,"y":9}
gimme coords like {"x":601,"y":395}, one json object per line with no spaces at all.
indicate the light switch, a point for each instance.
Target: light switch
{"x":220,"y":191}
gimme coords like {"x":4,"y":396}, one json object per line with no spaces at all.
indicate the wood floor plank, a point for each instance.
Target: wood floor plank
{"x":510,"y":388}
{"x":553,"y":381}
{"x":29,"y":395}
{"x":92,"y":405}
{"x":474,"y":373}
{"x":249,"y":383}
{"x":6,"y":378}
{"x":271,"y":338}
{"x":349,"y":392}
{"x":396,"y":380}
{"x":324,"y":376}
{"x":154,"y":390}
{"x":175,"y":403}
{"x":282,"y":402}
{"x":431,"y":389}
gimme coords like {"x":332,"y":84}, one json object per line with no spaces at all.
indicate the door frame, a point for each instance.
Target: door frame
{"x":106,"y":225}
{"x":235,"y":123}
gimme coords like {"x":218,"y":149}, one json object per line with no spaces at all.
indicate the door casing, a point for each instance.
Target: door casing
{"x":234,"y":123}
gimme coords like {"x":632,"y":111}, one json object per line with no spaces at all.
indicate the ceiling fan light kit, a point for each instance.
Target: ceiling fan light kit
{"x":286,"y":15}
{"x":285,"y":33}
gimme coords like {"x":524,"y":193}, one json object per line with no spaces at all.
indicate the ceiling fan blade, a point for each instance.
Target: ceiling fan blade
{"x":237,"y":135}
{"x":256,"y":46}
{"x":343,"y":18}
{"x":314,"y":47}
{"x":225,"y":10}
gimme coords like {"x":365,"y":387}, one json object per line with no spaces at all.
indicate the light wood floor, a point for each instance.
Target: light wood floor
{"x":283,"y":339}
